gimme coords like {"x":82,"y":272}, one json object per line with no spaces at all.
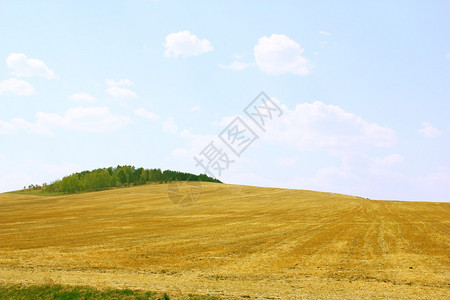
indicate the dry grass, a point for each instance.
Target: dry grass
{"x":236,"y":241}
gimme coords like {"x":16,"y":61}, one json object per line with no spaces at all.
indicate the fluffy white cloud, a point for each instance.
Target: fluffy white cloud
{"x":119,"y":92}
{"x":312,"y":126}
{"x":324,"y":33}
{"x":169,"y":126}
{"x":429,"y":130}
{"x":195,"y":108}
{"x":16,"y":86}
{"x":121,"y":82}
{"x":235,"y":65}
{"x":388,"y":161}
{"x":141,"y":112}
{"x":90,"y":119}
{"x":93,"y":119}
{"x":6,"y":127}
{"x":28,"y":67}
{"x":185,"y":44}
{"x":278,"y":54}
{"x":82,"y":97}
{"x":195,"y":144}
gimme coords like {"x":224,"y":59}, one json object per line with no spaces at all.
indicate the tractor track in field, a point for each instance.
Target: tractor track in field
{"x":236,"y":241}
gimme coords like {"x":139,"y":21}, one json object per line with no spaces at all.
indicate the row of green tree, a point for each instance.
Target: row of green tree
{"x":100,"y":179}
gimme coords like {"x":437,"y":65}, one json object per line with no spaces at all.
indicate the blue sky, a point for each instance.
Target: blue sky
{"x":364,"y":87}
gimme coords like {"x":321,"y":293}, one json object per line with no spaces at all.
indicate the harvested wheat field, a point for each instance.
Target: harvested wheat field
{"x":235,"y":242}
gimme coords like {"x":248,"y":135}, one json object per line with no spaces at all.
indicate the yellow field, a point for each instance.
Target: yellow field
{"x":236,"y":241}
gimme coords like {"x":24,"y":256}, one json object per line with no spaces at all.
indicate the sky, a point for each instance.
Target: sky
{"x":358,"y":92}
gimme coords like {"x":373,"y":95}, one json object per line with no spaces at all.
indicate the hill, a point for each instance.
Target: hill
{"x":236,"y":241}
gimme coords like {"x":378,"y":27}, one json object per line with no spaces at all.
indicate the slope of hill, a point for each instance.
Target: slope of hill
{"x":236,"y":241}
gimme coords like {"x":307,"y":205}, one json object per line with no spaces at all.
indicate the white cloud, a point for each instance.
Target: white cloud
{"x":16,"y":86}
{"x":429,"y":130}
{"x":93,"y":119}
{"x":121,"y":82}
{"x":324,"y":33}
{"x":312,"y":126}
{"x":39,"y":127}
{"x":448,"y":56}
{"x":118,"y":92}
{"x":185,"y":44}
{"x":278,"y":54}
{"x":195,"y":108}
{"x":169,"y":126}
{"x":141,"y":112}
{"x":235,"y":65}
{"x":82,"y":97}
{"x":6,"y":128}
{"x":90,"y":119}
{"x":436,"y":182}
{"x":28,"y":67}
{"x":388,"y":161}
{"x":195,"y":144}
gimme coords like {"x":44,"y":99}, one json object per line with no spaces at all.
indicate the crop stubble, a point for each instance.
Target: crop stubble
{"x":235,"y":241}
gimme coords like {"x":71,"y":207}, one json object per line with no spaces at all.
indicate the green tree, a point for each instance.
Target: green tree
{"x":122,"y":176}
{"x":143,"y":177}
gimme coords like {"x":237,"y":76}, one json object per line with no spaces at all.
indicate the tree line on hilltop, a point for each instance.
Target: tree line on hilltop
{"x":105,"y":178}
